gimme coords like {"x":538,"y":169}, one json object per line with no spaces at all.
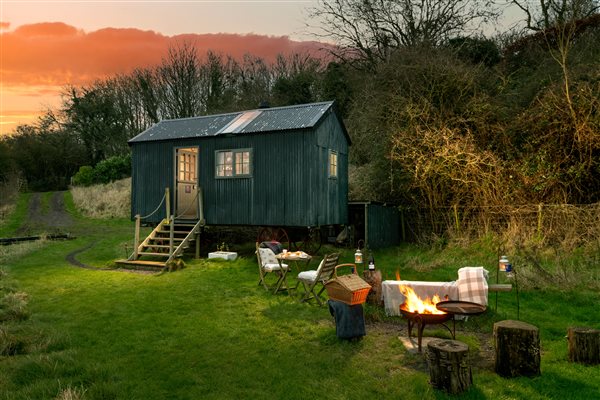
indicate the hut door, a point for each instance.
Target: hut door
{"x":187,"y":183}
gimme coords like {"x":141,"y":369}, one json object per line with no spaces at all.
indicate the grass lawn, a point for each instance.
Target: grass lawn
{"x":210,"y":332}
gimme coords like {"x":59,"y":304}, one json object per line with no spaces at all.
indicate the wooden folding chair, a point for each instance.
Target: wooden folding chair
{"x":310,"y":279}
{"x":267,"y":263}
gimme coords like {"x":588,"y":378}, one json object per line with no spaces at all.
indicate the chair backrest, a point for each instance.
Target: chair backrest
{"x":265,"y":256}
{"x":327,"y":266}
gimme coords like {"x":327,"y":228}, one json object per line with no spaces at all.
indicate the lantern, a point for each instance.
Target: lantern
{"x":358,"y":257}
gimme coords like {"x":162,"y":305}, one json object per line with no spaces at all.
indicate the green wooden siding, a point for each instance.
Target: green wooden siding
{"x":289,"y":185}
{"x":377,"y":224}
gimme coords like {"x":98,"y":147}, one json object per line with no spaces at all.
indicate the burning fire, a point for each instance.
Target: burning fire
{"x":414,"y":304}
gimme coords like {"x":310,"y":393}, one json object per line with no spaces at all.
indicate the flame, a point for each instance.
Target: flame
{"x":398,"y":275}
{"x":414,"y":304}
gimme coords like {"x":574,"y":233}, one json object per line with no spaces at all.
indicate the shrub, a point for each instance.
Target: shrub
{"x":109,"y":170}
{"x":84,"y":177}
{"x":112,"y":169}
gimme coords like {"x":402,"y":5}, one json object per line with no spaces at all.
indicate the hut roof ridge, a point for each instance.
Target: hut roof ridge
{"x":299,"y":116}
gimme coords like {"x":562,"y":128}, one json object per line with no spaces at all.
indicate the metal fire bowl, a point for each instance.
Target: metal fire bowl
{"x":425,"y":319}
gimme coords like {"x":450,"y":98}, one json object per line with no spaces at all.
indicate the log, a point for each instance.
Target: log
{"x":373,"y":278}
{"x":584,"y":345}
{"x":449,"y":366}
{"x":517,"y":349}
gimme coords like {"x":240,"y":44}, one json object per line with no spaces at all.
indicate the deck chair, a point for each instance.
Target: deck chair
{"x":267,"y":263}
{"x":310,"y":279}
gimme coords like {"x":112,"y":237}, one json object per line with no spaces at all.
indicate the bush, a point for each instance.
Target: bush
{"x":84,"y":177}
{"x":112,"y":169}
{"x":109,"y":170}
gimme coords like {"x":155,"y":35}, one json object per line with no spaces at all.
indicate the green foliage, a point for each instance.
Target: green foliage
{"x":109,"y":170}
{"x":84,"y":177}
{"x":112,"y":169}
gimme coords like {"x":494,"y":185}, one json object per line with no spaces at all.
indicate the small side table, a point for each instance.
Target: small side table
{"x":457,"y":307}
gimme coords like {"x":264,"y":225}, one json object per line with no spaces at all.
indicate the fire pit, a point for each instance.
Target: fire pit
{"x":423,"y":319}
{"x":422,"y":312}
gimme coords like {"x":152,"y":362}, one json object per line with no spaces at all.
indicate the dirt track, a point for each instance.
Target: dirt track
{"x":54,"y":220}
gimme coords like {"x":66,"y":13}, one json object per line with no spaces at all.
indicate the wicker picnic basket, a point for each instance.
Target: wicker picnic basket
{"x":349,"y":289}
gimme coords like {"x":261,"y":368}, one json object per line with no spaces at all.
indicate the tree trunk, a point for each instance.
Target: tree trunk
{"x":449,"y":366}
{"x":584,"y":345}
{"x":373,"y":278}
{"x":517,"y":349}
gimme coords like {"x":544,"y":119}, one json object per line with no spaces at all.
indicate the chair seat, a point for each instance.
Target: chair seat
{"x":307,"y":276}
{"x":274,"y":267}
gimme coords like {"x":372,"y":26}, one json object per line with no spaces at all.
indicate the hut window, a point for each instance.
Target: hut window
{"x":333,"y":164}
{"x":233,"y":163}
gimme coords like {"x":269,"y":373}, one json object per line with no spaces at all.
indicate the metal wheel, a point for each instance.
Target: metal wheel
{"x":277,"y":234}
{"x":311,"y":242}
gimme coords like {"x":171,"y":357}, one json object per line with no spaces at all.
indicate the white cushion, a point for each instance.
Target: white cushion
{"x":274,"y":267}
{"x":267,"y":256}
{"x":307,"y":276}
{"x":310,"y":276}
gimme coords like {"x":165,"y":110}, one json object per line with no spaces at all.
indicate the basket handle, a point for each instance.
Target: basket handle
{"x":344,"y":265}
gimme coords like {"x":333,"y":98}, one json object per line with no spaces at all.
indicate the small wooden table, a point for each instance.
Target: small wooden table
{"x":457,"y":307}
{"x":294,"y":256}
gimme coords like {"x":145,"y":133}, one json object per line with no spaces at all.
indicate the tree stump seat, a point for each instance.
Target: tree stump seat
{"x":584,"y":345}
{"x":449,"y":365}
{"x":517,"y":346}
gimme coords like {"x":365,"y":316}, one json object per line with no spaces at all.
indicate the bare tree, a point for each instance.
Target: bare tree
{"x":544,"y":14}
{"x":180,"y":81}
{"x":368,"y":30}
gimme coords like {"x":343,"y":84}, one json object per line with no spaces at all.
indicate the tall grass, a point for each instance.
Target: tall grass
{"x":111,"y":200}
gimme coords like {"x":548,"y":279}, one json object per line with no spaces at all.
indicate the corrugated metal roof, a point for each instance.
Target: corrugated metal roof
{"x":268,"y":120}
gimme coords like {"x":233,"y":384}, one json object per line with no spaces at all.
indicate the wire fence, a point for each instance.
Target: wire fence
{"x":551,"y":224}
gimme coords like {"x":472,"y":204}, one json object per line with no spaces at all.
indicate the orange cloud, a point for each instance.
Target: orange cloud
{"x":4,"y":25}
{"x":55,"y":53}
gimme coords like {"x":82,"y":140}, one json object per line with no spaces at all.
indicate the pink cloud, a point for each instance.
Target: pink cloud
{"x":54,"y":53}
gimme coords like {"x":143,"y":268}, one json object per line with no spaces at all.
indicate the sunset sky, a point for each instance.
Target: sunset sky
{"x":46,"y":45}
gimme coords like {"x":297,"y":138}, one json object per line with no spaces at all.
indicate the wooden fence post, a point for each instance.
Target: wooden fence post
{"x":136,"y":236}
{"x":168,"y":203}
{"x":539,"y":220}
{"x":456,"y":221}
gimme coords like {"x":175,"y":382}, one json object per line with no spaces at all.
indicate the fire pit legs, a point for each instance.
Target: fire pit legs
{"x":421,"y":320}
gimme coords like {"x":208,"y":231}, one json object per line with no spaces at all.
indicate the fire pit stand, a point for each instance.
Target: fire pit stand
{"x":424,"y":319}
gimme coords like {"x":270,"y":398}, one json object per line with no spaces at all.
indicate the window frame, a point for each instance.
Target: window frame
{"x":234,"y":153}
{"x":330,"y":164}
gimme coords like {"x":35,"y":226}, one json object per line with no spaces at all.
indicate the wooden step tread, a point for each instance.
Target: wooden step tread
{"x":142,"y":263}
{"x":174,"y":232}
{"x":166,"y":239}
{"x":143,"y":253}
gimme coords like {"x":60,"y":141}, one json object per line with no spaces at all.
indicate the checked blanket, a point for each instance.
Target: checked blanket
{"x":472,"y":285}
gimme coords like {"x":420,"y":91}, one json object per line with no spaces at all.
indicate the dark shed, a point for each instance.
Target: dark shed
{"x":378,"y":224}
{"x":283,"y":166}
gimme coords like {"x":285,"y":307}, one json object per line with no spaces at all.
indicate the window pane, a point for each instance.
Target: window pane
{"x":333,"y":164}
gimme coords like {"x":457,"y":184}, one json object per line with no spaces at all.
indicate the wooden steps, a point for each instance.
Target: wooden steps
{"x":158,"y":244}
{"x":141,"y":264}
